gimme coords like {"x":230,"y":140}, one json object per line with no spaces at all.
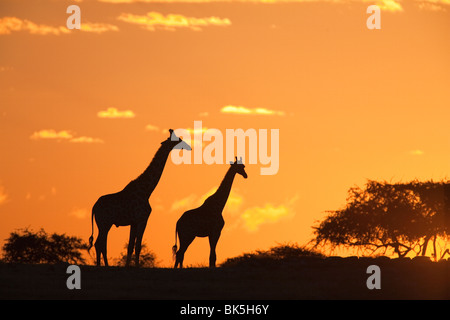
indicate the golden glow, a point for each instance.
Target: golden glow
{"x":83,"y":112}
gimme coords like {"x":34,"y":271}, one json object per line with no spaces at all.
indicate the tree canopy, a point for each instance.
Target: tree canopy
{"x":402,"y":218}
{"x":26,"y":246}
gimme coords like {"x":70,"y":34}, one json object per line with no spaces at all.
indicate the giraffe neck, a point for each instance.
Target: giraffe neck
{"x":220,"y":197}
{"x":148,"y":180}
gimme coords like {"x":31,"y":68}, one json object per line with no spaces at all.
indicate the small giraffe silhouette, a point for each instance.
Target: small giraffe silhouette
{"x":130,"y":207}
{"x":206,"y":220}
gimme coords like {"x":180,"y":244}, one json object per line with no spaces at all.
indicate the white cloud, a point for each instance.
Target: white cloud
{"x":14,"y":24}
{"x":254,"y":217}
{"x":84,"y":139}
{"x":244,"y":110}
{"x":52,"y":134}
{"x":63,"y":135}
{"x":3,"y":195}
{"x":151,"y":127}
{"x":189,"y":202}
{"x":114,"y":113}
{"x":97,"y":27}
{"x":79,"y":213}
{"x":193,"y":201}
{"x":417,"y":152}
{"x":433,"y":5}
{"x":155,"y":20}
{"x":388,"y":5}
{"x":250,"y":218}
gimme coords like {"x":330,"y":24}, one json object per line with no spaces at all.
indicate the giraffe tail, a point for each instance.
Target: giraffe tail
{"x":174,"y":248}
{"x":91,"y":238}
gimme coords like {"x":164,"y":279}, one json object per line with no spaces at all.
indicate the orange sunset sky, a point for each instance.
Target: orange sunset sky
{"x":82,"y":112}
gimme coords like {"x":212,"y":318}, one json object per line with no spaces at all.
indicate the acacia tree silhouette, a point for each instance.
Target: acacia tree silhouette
{"x":401,"y":217}
{"x":26,"y":246}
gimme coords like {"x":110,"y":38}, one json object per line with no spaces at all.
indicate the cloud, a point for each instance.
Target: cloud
{"x":97,"y":27}
{"x":52,"y":134}
{"x":14,"y":24}
{"x":254,"y":217}
{"x":244,"y":110}
{"x":3,"y":195}
{"x":79,"y":213}
{"x":189,"y":202}
{"x":63,"y":135}
{"x":151,"y":127}
{"x":433,"y":5}
{"x":250,"y":219}
{"x":155,"y":20}
{"x":193,"y":201}
{"x":233,"y":204}
{"x":388,"y":5}
{"x":114,"y":113}
{"x":201,"y":130}
{"x":193,"y":134}
{"x":5,"y":68}
{"x":417,"y":152}
{"x":84,"y":139}
{"x":10,"y":24}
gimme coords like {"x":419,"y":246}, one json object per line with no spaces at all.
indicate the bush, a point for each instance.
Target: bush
{"x":276,"y":255}
{"x":147,"y":258}
{"x":26,"y":246}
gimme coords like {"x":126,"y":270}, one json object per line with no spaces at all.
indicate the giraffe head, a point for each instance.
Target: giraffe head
{"x":176,"y":142}
{"x":239,"y":166}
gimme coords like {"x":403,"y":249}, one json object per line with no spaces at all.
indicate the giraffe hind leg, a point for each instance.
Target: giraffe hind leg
{"x":101,"y":244}
{"x":185,"y":241}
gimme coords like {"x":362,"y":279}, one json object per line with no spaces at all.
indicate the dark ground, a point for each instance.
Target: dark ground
{"x":304,"y":278}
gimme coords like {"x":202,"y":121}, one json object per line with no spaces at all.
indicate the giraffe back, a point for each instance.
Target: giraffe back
{"x":121,"y":209}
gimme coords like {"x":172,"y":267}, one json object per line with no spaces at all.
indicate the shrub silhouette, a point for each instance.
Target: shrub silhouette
{"x":281,"y":254}
{"x":26,"y":246}
{"x":147,"y":258}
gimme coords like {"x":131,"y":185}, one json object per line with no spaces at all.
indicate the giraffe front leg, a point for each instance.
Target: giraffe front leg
{"x":213,"y":239}
{"x":139,"y":235}
{"x":131,"y":244}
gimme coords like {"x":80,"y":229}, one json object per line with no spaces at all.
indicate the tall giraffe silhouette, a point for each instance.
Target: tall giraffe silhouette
{"x":130,"y":207}
{"x":206,"y":220}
